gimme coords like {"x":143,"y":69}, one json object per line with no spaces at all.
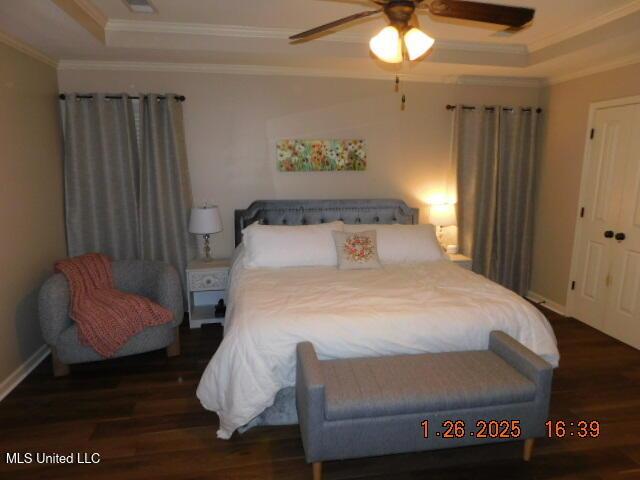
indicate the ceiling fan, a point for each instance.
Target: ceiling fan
{"x":387,"y":45}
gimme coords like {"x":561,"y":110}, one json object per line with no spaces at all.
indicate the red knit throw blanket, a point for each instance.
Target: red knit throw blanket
{"x":106,"y":318}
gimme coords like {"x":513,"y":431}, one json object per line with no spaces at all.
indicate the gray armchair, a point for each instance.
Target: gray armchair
{"x":155,"y":280}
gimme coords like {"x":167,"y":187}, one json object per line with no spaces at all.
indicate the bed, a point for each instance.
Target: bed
{"x":406,"y":308}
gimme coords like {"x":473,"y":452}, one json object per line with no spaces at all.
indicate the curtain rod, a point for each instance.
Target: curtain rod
{"x":180,"y":98}
{"x":491,"y":109}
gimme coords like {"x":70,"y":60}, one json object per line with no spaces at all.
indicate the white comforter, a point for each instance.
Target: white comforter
{"x":428,"y":307}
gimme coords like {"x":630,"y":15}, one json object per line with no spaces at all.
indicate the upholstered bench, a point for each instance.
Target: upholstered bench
{"x":408,"y":403}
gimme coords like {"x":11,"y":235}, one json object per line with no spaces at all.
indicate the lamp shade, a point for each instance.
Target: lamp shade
{"x":205,"y":220}
{"x":387,"y":46}
{"x":442,"y":215}
{"x":418,"y":43}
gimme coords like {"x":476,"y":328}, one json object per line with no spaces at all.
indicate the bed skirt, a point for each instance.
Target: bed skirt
{"x":282,"y":412}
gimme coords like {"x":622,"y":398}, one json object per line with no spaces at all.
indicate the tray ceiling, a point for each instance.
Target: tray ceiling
{"x":566,"y":38}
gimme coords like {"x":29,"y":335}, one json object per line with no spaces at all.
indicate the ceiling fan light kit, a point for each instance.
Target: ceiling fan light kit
{"x":387,"y":45}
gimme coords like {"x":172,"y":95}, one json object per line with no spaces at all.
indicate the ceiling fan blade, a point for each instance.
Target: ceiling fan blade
{"x":482,"y":12}
{"x":331,"y":25}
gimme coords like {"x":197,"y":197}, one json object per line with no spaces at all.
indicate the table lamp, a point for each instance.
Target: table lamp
{"x":205,"y":221}
{"x":442,"y":215}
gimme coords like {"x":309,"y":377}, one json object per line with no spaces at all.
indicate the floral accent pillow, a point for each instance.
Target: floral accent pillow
{"x":357,"y":250}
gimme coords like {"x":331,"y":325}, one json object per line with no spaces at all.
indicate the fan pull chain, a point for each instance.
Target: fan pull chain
{"x":403,"y":105}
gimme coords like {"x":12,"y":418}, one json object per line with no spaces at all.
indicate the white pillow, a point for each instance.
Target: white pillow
{"x":290,"y":246}
{"x":403,"y":243}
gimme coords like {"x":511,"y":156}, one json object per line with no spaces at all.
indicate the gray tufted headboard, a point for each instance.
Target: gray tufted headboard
{"x":302,"y":212}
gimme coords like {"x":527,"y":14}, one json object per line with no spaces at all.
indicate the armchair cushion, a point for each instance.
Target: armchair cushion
{"x":157,"y":281}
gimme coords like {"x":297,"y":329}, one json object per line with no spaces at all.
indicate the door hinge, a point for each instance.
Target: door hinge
{"x":593,"y":133}
{"x":573,"y":285}
{"x":582,"y":212}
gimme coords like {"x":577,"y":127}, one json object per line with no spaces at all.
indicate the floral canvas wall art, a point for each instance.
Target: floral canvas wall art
{"x":321,"y":155}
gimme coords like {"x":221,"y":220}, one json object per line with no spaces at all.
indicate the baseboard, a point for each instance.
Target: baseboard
{"x":20,"y":373}
{"x":545,"y":302}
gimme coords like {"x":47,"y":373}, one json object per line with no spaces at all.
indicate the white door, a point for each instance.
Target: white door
{"x":609,"y":152}
{"x":606,"y":273}
{"x":622,"y":317}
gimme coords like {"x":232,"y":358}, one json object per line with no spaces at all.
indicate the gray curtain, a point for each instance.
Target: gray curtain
{"x":165,"y":188}
{"x":101,"y":176}
{"x":495,"y":154}
{"x":128,"y":194}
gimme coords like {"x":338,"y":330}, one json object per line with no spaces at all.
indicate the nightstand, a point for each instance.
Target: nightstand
{"x":461,"y":260}
{"x":207,"y":284}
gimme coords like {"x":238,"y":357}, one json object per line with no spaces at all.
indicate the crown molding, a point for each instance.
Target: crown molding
{"x":269,"y":70}
{"x":93,"y":12}
{"x":622,"y":62}
{"x":524,"y":82}
{"x":27,"y":49}
{"x":87,"y":15}
{"x":239,"y":31}
{"x":233,"y":31}
{"x":586,"y":26}
{"x":514,"y":49}
{"x":234,"y":69}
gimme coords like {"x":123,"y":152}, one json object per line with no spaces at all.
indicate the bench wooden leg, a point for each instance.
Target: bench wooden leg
{"x":59,"y":369}
{"x":528,"y":449}
{"x":317,"y":470}
{"x":173,"y":350}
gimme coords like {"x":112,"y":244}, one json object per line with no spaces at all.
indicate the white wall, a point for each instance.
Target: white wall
{"x":232,"y":123}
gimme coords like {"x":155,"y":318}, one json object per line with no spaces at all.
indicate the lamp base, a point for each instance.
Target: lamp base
{"x":207,"y":249}
{"x":440,"y":236}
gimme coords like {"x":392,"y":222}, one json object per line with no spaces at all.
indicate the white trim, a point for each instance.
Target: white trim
{"x":616,"y":102}
{"x":586,"y":26}
{"x":586,"y":157}
{"x":514,"y":49}
{"x":230,"y":69}
{"x":20,"y":373}
{"x":531,"y":82}
{"x":233,"y":31}
{"x":86,"y":15}
{"x":545,"y":302}
{"x":93,"y":12}
{"x":274,"y":33}
{"x":622,"y":62}
{"x":26,"y":49}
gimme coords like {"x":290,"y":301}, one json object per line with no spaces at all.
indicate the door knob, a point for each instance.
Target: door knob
{"x":608,"y":234}
{"x":620,"y":236}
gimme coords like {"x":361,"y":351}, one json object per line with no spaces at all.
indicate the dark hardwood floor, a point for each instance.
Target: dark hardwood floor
{"x":141,"y":415}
